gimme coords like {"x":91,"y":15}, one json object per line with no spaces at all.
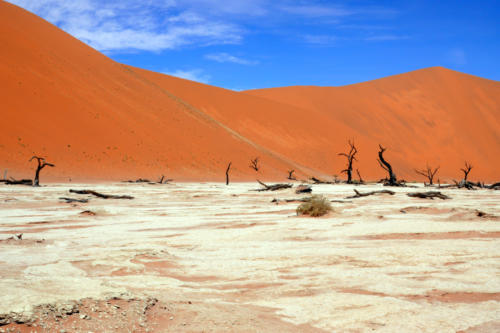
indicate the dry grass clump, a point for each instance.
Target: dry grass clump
{"x":315,"y":206}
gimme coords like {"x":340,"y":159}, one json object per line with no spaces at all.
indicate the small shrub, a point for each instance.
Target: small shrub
{"x":315,"y":206}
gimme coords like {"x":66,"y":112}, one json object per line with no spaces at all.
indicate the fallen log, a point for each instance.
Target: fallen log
{"x":307,"y":199}
{"x":274,"y":187}
{"x":319,"y":181}
{"x":140,"y":180}
{"x":13,"y":181}
{"x":495,"y":186}
{"x":359,"y":194}
{"x":71,"y":200}
{"x":303,"y":189}
{"x":290,"y":200}
{"x":100,"y":195}
{"x":429,"y":195}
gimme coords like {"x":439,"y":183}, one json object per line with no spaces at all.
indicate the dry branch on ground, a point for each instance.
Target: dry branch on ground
{"x":100,"y":195}
{"x":72,"y":200}
{"x":274,"y":187}
{"x":319,"y":181}
{"x":428,"y":195}
{"x":359,"y":194}
{"x":13,"y":181}
{"x":303,"y":189}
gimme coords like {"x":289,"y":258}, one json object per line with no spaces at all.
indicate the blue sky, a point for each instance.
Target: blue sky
{"x":245,"y":44}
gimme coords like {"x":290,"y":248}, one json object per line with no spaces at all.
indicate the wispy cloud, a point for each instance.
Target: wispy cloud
{"x":225,"y":57}
{"x":197,"y":75}
{"x":132,"y":25}
{"x":154,"y":25}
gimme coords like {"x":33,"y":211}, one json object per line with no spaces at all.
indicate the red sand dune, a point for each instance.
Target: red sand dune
{"x":100,"y":120}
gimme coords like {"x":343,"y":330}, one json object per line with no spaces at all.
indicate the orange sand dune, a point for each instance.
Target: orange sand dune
{"x":100,"y":120}
{"x":434,"y":115}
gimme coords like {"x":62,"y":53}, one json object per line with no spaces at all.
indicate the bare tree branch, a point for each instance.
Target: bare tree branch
{"x":387,"y":167}
{"x":350,"y":158}
{"x":227,"y":172}
{"x":41,"y":164}
{"x":254,"y":164}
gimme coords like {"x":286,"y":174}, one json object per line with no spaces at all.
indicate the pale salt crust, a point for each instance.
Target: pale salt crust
{"x":229,"y":244}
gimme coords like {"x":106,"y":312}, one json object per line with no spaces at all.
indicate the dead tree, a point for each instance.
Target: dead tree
{"x":164,"y":180}
{"x":428,"y":173}
{"x":290,"y":175}
{"x":41,"y":164}
{"x":466,"y":171}
{"x":361,"y":181}
{"x":227,"y":173}
{"x":392,"y":181}
{"x":351,"y":156}
{"x":254,"y":164}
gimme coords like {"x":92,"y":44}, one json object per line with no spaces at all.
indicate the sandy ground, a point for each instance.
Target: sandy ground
{"x":189,"y":257}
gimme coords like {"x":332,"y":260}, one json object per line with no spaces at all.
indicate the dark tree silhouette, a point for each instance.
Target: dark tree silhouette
{"x":227,"y":173}
{"x":429,"y":173}
{"x":254,"y":164}
{"x":466,"y":170}
{"x":359,"y":176}
{"x":387,"y":167}
{"x":290,"y":175}
{"x":350,"y":158}
{"x":41,"y":164}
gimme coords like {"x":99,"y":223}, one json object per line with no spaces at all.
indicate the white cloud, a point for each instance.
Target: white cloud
{"x":225,"y":57}
{"x":132,"y":25}
{"x":157,"y":25}
{"x":197,"y":75}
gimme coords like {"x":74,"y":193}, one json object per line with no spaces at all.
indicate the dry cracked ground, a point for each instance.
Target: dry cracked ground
{"x":187,"y":257}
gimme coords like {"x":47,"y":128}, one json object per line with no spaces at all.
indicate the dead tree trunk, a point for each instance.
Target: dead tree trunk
{"x":361,"y":181}
{"x":350,"y":158}
{"x":466,"y":171}
{"x":254,"y":164}
{"x":290,"y":175}
{"x":387,"y":167}
{"x":41,"y":164}
{"x":227,"y":173}
{"x":428,"y":173}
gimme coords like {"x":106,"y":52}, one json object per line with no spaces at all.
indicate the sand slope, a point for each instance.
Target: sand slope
{"x":434,"y":115}
{"x":98,"y":119}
